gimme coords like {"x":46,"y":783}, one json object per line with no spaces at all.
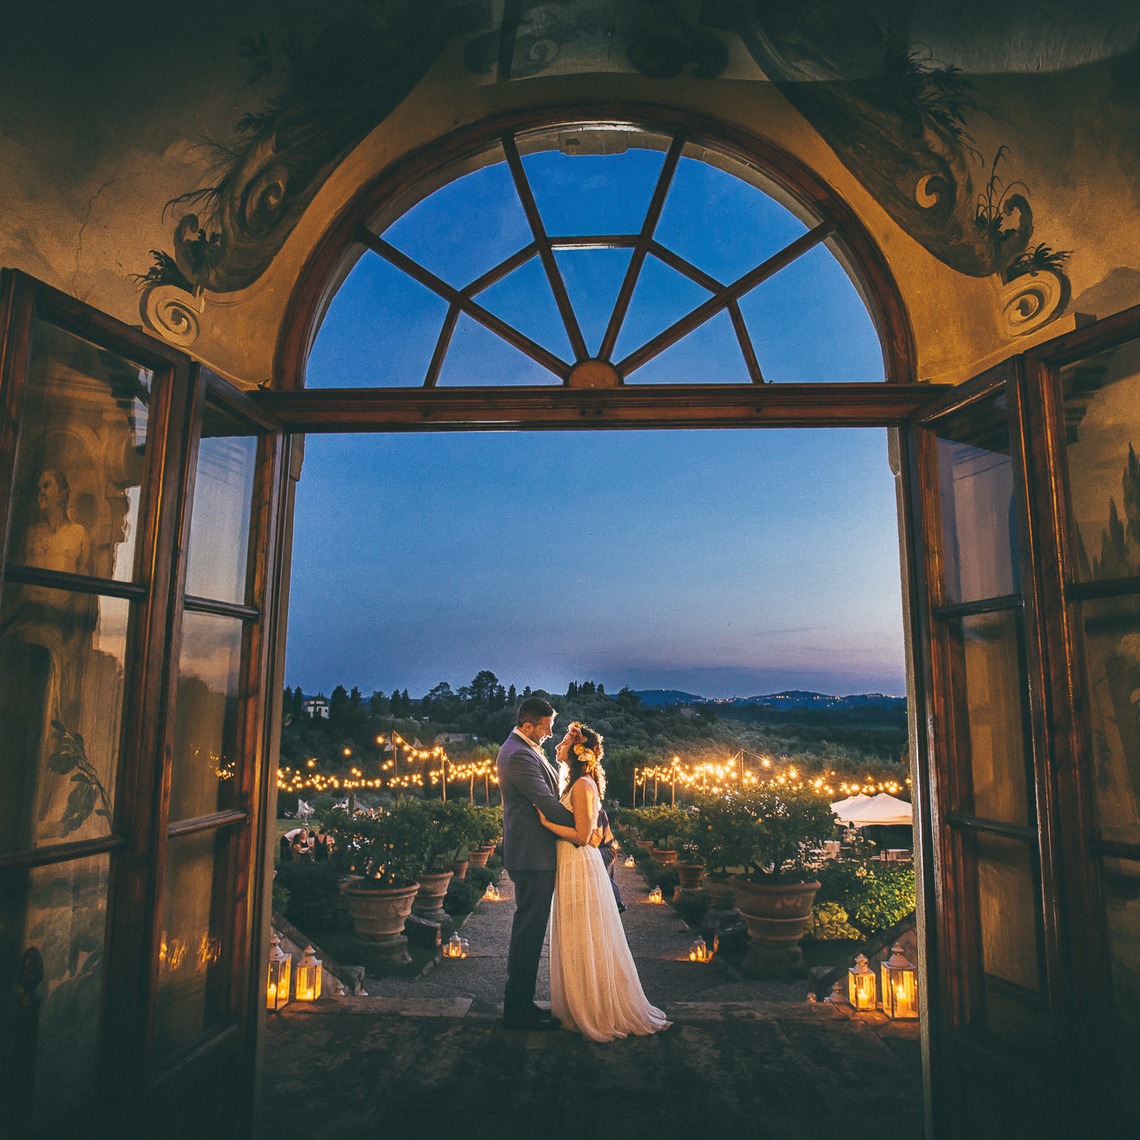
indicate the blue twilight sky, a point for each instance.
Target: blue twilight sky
{"x":718,"y":562}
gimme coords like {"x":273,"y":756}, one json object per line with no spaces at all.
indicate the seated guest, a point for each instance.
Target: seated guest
{"x":301,"y":848}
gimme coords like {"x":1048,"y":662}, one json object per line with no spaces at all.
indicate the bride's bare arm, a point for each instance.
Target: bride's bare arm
{"x":584,"y":803}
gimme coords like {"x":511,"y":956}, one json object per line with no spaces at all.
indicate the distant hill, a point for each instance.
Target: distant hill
{"x":789,"y":699}
{"x":660,"y":698}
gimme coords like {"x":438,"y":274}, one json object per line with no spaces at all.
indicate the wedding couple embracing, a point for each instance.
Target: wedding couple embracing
{"x":551,"y":853}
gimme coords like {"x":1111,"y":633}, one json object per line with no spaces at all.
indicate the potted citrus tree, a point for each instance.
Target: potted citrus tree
{"x":663,"y":826}
{"x":486,"y":830}
{"x":722,"y":833}
{"x":449,"y":829}
{"x":776,"y":891}
{"x":384,"y":852}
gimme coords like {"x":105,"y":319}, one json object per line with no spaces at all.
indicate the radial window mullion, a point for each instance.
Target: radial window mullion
{"x":713,"y":305}
{"x":498,"y":272}
{"x":641,"y":249}
{"x":441,"y":346}
{"x":545,"y":252}
{"x":472,"y":308}
{"x":745,"y":339}
{"x":687,"y":269}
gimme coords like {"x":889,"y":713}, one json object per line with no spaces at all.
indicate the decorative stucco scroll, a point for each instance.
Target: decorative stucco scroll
{"x":173,"y":312}
{"x":1032,"y":300}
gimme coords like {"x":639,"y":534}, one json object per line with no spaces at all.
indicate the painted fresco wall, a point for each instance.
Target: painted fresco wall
{"x":177,"y":176}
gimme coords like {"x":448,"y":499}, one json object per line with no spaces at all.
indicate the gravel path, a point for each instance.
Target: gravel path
{"x":658,"y":939}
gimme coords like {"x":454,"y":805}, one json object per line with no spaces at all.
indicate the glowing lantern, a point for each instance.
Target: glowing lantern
{"x":900,"y":986}
{"x":699,"y":951}
{"x":655,"y":896}
{"x":491,"y":894}
{"x":630,"y":861}
{"x":456,"y":947}
{"x":308,"y":985}
{"x":861,"y":985}
{"x":277,"y":983}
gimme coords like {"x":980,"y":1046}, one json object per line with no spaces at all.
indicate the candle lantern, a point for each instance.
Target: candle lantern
{"x":900,"y":986}
{"x":280,"y":969}
{"x":456,"y":947}
{"x":630,"y":861}
{"x":308,"y":984}
{"x":861,"y":985}
{"x":655,"y":895}
{"x":699,"y":951}
{"x":491,"y":894}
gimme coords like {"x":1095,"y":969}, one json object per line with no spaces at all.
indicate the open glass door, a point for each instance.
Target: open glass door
{"x":989,"y":1001}
{"x":1025,"y":519}
{"x":139,"y":503}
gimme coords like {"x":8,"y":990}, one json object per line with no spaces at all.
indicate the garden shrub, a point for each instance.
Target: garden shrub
{"x":875,"y":898}
{"x":314,"y":901}
{"x":461,"y":897}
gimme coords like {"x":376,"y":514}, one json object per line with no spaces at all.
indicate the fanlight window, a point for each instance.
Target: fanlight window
{"x":596,"y":257}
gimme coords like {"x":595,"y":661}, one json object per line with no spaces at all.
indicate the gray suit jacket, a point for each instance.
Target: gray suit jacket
{"x":527,"y":781}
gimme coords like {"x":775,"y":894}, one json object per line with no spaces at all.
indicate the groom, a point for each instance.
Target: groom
{"x":528,"y":781}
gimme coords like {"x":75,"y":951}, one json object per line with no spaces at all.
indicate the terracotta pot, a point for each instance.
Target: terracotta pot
{"x":459,"y":868}
{"x":776,"y":914}
{"x":722,"y":894}
{"x":480,"y":855}
{"x":690,"y":875}
{"x":646,"y":843}
{"x":663,"y":855}
{"x":433,"y":886}
{"x":378,"y":915}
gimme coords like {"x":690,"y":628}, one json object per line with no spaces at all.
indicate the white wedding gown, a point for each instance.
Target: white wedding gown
{"x":594,"y":987}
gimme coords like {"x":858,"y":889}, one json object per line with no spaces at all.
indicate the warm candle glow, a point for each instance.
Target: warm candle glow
{"x":861,"y":987}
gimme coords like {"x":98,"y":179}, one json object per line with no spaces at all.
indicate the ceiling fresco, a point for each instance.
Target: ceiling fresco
{"x":897,"y":116}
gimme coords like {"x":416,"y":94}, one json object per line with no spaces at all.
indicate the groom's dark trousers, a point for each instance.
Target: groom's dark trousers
{"x":533,"y":892}
{"x":527,"y":781}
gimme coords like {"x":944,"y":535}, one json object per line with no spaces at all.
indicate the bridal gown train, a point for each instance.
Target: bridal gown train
{"x":594,"y":987}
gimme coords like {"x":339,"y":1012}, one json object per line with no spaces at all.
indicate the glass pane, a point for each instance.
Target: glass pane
{"x":1009,"y":903}
{"x":710,"y":354}
{"x":218,"y":560}
{"x":466,"y":227}
{"x":987,"y":658}
{"x":379,"y":332}
{"x":580,"y":194}
{"x":525,"y":301}
{"x":477,"y":356}
{"x":1102,"y":419}
{"x":53,"y":919}
{"x":593,"y":280}
{"x":978,"y":511}
{"x":721,"y":223}
{"x":83,"y":437}
{"x":194,"y":959}
{"x":62,"y":668}
{"x":1112,"y":682}
{"x":661,"y":297}
{"x":809,"y":324}
{"x":1122,"y":915}
{"x":204,"y":771}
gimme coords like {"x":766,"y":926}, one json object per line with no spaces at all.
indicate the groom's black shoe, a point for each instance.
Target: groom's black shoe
{"x":531,"y":1019}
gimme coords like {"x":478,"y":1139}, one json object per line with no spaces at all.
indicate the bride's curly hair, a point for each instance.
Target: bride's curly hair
{"x":585,"y":759}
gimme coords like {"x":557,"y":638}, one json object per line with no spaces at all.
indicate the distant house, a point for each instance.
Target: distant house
{"x":315,"y":706}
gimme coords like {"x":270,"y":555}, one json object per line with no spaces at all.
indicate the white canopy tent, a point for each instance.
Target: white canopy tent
{"x":883,"y":810}
{"x":841,"y":807}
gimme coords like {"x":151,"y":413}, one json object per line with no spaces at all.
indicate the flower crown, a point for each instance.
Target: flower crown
{"x":586,"y":755}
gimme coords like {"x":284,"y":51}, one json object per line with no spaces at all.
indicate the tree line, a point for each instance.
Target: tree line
{"x":636,"y":736}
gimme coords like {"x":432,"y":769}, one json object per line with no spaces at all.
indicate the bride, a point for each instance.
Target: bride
{"x":594,"y":987}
